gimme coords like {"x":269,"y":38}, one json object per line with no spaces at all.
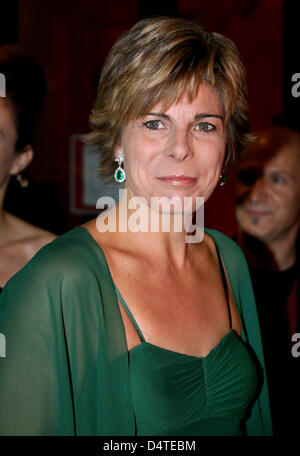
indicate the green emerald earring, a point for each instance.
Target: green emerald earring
{"x":120,"y":175}
{"x":223,"y":179}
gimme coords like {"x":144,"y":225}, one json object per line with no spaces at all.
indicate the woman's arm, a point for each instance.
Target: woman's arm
{"x":259,"y":421}
{"x":35,"y":385}
{"x":66,"y":367}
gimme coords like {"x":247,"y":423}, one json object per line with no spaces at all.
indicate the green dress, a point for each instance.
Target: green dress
{"x":67,"y":370}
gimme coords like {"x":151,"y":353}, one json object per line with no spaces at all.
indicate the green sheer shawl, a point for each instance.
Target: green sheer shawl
{"x":66,"y":367}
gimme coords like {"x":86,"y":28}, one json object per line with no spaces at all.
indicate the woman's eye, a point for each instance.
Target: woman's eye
{"x":153,"y":124}
{"x":205,"y":126}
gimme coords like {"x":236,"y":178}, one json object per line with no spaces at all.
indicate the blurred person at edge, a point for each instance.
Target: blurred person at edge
{"x":125,"y":332}
{"x":19,"y":112}
{"x":268,"y":214}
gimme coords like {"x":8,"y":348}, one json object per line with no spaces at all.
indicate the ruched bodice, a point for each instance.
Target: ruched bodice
{"x":178,"y":394}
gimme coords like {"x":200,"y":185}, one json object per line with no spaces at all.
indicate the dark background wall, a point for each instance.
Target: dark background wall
{"x":71,"y":40}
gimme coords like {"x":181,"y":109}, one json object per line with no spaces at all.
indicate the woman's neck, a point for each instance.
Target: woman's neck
{"x":162,"y":235}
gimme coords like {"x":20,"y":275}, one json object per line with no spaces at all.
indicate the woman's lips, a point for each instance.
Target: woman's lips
{"x":178,"y":181}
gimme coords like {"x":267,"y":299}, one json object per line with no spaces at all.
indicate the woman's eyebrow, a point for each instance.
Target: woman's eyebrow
{"x":165,"y":116}
{"x":197,"y":116}
{"x":205,"y":114}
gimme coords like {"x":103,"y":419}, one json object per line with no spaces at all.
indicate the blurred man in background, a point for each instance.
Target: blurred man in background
{"x":268,"y":215}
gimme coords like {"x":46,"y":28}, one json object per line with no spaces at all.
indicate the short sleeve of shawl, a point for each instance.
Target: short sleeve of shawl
{"x":34,"y":377}
{"x":66,"y":367}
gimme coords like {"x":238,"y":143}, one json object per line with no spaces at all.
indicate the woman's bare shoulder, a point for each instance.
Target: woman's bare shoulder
{"x":24,"y":234}
{"x":19,"y":241}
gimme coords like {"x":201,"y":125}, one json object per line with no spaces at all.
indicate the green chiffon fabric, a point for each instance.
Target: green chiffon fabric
{"x":66,"y":370}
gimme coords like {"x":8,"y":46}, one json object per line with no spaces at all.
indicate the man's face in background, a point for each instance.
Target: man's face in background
{"x":268,"y":192}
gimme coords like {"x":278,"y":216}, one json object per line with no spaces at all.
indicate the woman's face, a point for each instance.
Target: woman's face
{"x":176,"y":153}
{"x":8,"y":137}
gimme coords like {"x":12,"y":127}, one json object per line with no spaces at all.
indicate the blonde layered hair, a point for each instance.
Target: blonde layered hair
{"x":158,"y":60}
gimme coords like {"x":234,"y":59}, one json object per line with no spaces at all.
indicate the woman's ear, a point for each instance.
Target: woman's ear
{"x":117,"y":150}
{"x":22,"y":160}
{"x":118,"y":145}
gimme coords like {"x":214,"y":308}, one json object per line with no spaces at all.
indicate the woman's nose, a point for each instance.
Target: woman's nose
{"x":180,"y":147}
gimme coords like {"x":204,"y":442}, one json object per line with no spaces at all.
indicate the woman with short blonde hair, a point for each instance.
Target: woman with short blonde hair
{"x":136,"y":330}
{"x":179,"y":55}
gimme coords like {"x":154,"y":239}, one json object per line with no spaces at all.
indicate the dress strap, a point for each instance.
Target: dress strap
{"x":225,"y":285}
{"x":131,"y":317}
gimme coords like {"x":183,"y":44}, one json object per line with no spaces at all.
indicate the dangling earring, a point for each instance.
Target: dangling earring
{"x":222,"y":179}
{"x":120,"y":175}
{"x":23,"y":182}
